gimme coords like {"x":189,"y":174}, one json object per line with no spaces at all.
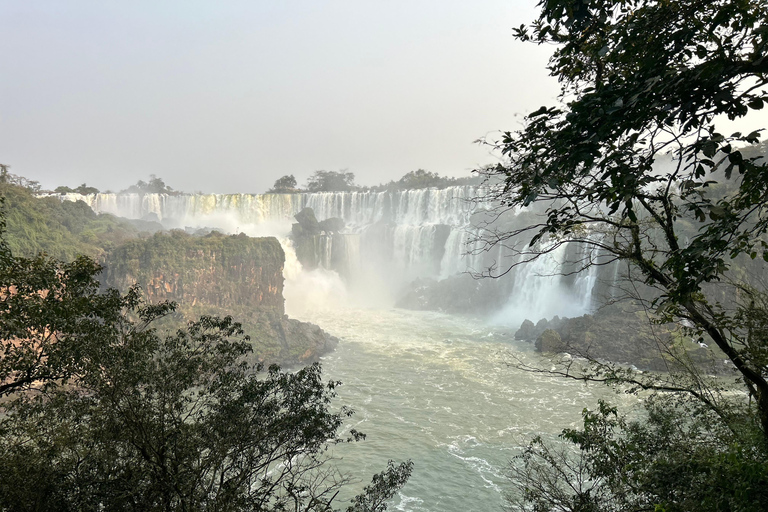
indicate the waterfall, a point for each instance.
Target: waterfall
{"x":390,"y":238}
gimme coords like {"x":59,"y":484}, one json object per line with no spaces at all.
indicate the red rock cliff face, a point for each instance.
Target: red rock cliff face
{"x":221,"y":275}
{"x":236,"y":272}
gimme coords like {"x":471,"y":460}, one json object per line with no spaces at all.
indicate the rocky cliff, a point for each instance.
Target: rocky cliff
{"x":217,"y":274}
{"x":623,"y":333}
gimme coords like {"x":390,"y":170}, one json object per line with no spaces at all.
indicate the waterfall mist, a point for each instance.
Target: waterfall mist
{"x":389,"y":239}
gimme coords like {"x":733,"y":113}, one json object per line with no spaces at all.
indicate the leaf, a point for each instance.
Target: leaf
{"x":729,"y":171}
{"x":709,"y":148}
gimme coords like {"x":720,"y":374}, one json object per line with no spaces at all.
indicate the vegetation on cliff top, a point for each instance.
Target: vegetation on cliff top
{"x":344,"y":181}
{"x":207,"y":274}
{"x":154,"y":186}
{"x":61,"y":229}
{"x":220,"y":274}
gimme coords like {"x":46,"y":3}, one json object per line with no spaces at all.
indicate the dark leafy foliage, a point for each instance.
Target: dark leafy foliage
{"x":633,"y":164}
{"x":425,"y":179}
{"x":331,"y":181}
{"x":104,"y":412}
{"x":154,"y":186}
{"x":51,"y":315}
{"x":285,"y":185}
{"x":82,"y":189}
{"x":677,"y":458}
{"x":643,"y":84}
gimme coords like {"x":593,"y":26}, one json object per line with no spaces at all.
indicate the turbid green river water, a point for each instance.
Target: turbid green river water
{"x":437,"y":389}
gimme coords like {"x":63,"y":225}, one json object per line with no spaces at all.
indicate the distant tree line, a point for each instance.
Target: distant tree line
{"x":155,"y":185}
{"x":426,"y":179}
{"x":82,"y":189}
{"x":344,"y":181}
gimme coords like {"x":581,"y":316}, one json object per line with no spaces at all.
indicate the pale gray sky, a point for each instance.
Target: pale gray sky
{"x":228,"y":96}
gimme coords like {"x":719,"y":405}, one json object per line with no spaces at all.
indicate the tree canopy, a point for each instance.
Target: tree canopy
{"x":82,"y":189}
{"x":61,"y":229}
{"x":154,"y":186}
{"x":632,"y":163}
{"x":331,"y":181}
{"x":421,"y":178}
{"x":99,"y":410}
{"x":14,"y":179}
{"x":284,"y":185}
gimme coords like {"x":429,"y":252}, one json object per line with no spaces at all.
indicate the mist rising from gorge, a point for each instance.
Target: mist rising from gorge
{"x":391,"y":243}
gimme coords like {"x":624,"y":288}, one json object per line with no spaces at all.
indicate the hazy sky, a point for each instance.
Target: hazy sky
{"x":228,"y":96}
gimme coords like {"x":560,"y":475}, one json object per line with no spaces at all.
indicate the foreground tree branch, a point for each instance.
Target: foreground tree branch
{"x":631,"y":162}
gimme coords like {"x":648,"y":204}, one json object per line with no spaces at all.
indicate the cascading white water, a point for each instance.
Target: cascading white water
{"x":389,"y":239}
{"x":540,"y":288}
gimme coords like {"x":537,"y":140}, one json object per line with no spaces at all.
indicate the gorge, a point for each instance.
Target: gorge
{"x":432,"y":379}
{"x":433,"y":386}
{"x":429,"y":386}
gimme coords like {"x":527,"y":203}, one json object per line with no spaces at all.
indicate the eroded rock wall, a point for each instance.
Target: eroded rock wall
{"x":218,"y":274}
{"x":213,"y":270}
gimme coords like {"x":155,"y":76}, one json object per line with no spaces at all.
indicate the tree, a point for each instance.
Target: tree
{"x":155,"y":186}
{"x":423,"y":179}
{"x":50,"y":315}
{"x":104,"y":412}
{"x":678,"y":458}
{"x":331,"y":181}
{"x":82,"y":189}
{"x":14,"y":179}
{"x":644,"y":79}
{"x":631,"y":163}
{"x":285,"y":185}
{"x":85,"y":189}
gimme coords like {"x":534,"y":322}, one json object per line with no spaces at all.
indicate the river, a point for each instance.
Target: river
{"x":438,"y":390}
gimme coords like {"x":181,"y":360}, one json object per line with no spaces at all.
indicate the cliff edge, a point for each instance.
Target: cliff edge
{"x":221,"y":275}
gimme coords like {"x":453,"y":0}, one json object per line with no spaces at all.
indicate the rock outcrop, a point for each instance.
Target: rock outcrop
{"x":221,"y":275}
{"x":320,"y":243}
{"x":550,"y":341}
{"x":621,"y":333}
